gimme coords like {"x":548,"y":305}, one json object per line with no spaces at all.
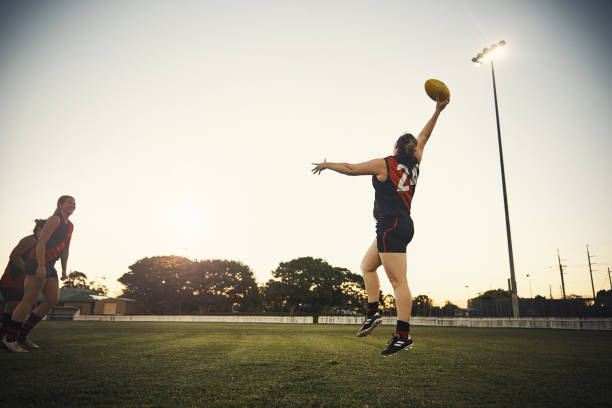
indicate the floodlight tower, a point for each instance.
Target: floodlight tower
{"x":487,"y":56}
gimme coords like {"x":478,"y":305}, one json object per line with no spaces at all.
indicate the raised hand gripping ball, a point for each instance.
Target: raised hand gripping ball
{"x":436,"y":90}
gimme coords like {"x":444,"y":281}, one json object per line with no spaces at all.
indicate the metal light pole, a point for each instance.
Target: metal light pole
{"x":482,"y":57}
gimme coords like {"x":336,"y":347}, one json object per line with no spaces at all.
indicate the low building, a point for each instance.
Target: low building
{"x":77,"y":297}
{"x":94,"y":304}
{"x":122,"y":306}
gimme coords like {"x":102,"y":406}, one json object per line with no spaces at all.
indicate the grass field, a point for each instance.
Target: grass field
{"x":109,"y":364}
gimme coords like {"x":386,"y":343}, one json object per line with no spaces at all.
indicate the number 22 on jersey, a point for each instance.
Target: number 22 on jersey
{"x":412,"y":173}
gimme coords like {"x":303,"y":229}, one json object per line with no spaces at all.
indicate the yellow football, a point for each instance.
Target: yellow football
{"x":436,"y":90}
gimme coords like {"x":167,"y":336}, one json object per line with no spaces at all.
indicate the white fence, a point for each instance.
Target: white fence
{"x":524,"y":322}
{"x":604,"y":323}
{"x":200,"y":319}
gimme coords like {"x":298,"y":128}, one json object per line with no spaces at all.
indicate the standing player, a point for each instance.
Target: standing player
{"x":394,"y":179}
{"x":11,"y":284}
{"x":53,"y":244}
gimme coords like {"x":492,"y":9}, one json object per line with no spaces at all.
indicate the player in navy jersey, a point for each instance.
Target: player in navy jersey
{"x":394,"y":179}
{"x":53,"y":243}
{"x":11,"y":283}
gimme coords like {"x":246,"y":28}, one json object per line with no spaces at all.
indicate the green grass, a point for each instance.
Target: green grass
{"x":110,"y":364}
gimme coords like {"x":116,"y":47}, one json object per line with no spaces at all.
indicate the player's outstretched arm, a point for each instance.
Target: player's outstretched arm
{"x":376,"y":167}
{"x":429,"y":126}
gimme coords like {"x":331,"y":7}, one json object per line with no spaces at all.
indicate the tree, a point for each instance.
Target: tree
{"x":224,"y":284}
{"x":422,"y":306}
{"x":78,"y":279}
{"x":156,"y":282}
{"x":449,"y":309}
{"x":495,"y":302}
{"x":604,"y":298}
{"x":489,"y":295}
{"x":314,"y":282}
{"x":387,"y":303}
{"x":174,"y":284}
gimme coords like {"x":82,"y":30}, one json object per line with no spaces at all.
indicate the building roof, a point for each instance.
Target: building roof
{"x":75,"y":295}
{"x":78,"y":295}
{"x":98,"y":297}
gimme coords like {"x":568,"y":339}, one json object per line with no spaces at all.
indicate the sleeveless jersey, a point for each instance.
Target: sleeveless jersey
{"x":13,"y":276}
{"x":56,"y":243}
{"x":393,"y":197}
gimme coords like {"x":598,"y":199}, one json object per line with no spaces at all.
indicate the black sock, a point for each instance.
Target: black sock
{"x":403,"y":329}
{"x":6,"y":317}
{"x":12,"y":329}
{"x":29,"y":325}
{"x":372,"y":308}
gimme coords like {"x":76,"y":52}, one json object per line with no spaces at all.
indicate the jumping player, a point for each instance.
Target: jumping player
{"x":394,"y":179}
{"x":41,"y":275}
{"x":11,"y":284}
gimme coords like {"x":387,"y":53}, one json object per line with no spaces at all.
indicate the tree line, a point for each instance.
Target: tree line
{"x":177,"y":285}
{"x":498,"y":303}
{"x":306,"y":285}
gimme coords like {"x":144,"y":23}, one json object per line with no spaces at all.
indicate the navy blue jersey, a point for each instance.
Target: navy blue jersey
{"x":56,"y":243}
{"x":393,"y":197}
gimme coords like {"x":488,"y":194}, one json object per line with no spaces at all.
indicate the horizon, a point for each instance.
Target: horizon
{"x":189,"y":130}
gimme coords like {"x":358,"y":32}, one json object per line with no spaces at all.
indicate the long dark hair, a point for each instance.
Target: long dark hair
{"x":39,"y":225}
{"x":406,"y":145}
{"x":60,"y":201}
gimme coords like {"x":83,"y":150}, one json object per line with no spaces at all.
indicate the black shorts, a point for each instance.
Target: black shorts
{"x":11,"y":284}
{"x":394,"y":233}
{"x":11,"y":294}
{"x":31,"y":266}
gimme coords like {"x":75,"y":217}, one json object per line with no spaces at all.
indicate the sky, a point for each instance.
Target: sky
{"x":189,"y":128}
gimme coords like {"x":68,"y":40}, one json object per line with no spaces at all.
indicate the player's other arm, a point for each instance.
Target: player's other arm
{"x":64,"y":258}
{"x":429,"y":126}
{"x":48,"y":230}
{"x":22,"y":247}
{"x":376,"y":167}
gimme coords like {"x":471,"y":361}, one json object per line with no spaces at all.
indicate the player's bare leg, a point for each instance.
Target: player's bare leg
{"x":370,"y":263}
{"x":32,"y":287}
{"x":395,"y":267}
{"x":50,"y":292}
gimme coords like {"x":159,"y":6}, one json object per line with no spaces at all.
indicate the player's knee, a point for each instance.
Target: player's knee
{"x":52,"y":300}
{"x":29,"y":301}
{"x":397,"y":282}
{"x":394,"y":281}
{"x":367,"y":267}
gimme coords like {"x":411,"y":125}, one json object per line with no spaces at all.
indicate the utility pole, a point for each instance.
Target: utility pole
{"x":591,"y":271}
{"x":550,"y":288}
{"x":561,"y":271}
{"x":609,"y":278}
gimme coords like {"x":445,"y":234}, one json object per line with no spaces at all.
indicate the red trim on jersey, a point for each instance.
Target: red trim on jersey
{"x":385,"y":233}
{"x":10,"y":281}
{"x":396,"y":175}
{"x":54,"y":252}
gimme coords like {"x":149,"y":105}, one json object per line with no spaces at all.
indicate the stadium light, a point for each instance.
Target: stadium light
{"x":487,"y":55}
